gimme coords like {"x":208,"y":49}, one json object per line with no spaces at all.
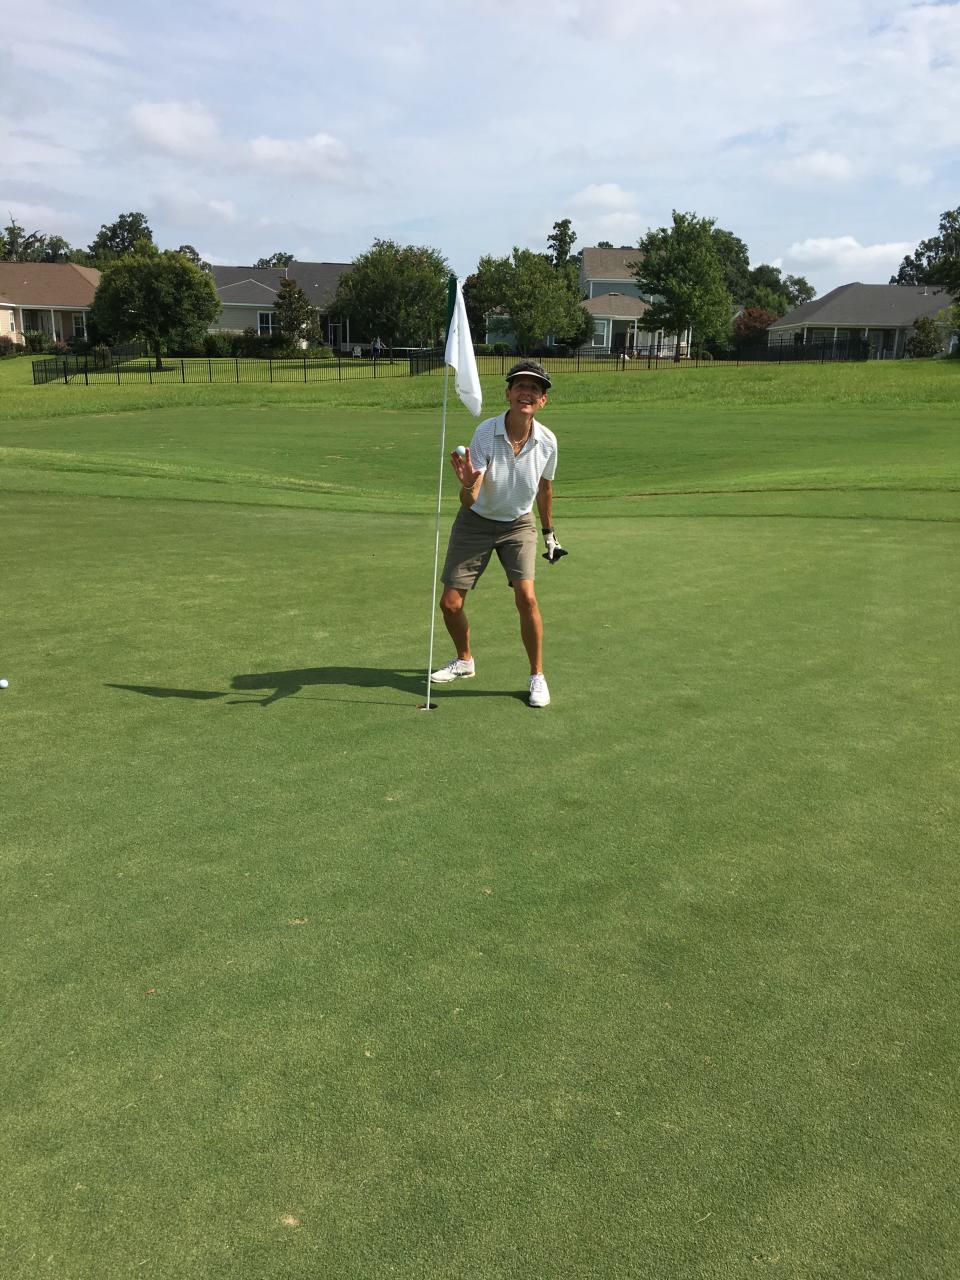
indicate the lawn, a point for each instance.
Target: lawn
{"x":660,"y":982}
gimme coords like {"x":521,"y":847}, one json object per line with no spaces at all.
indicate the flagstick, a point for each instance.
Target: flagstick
{"x":436,"y":549}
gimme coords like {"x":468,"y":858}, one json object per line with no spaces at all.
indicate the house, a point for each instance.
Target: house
{"x":613,"y":298}
{"x":881,"y":314}
{"x":46,"y":297}
{"x":248,"y":295}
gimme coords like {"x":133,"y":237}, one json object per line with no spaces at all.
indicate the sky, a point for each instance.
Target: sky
{"x":826,"y":134}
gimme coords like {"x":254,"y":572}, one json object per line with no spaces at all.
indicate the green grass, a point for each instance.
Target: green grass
{"x":660,"y":982}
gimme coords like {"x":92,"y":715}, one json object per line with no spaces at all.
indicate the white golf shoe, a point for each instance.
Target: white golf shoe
{"x":458,"y":669}
{"x":539,"y":693}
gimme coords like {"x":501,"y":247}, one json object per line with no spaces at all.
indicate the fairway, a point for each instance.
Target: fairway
{"x":660,"y":982}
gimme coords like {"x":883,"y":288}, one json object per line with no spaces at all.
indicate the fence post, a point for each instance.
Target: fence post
{"x":374,"y":366}
{"x":339,"y":366}
{"x":183,"y":372}
{"x":118,"y":373}
{"x":270,"y":362}
{"x":236,"y":362}
{"x":150,"y":375}
{"x":65,"y":379}
{"x":304,"y":368}
{"x":86,"y":371}
{"x":209,"y":369}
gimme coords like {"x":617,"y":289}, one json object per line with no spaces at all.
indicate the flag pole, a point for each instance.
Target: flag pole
{"x":458,"y":354}
{"x":428,"y":706}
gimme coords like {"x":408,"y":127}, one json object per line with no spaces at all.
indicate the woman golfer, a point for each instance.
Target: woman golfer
{"x":511,"y":463}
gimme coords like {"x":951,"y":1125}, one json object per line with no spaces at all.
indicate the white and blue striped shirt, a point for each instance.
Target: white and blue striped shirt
{"x":510,"y":482}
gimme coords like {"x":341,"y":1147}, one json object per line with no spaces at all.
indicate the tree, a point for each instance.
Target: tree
{"x":735,"y":262}
{"x":484,"y":292}
{"x":56,"y":249}
{"x":397,"y":293}
{"x":561,"y":241}
{"x":604,"y":244}
{"x":926,"y":339}
{"x":296,"y":316}
{"x":121,"y":238}
{"x":534,"y":299}
{"x":275,"y":260}
{"x":16,"y":245}
{"x":154,"y":296}
{"x":798,"y":290}
{"x":191,"y":254}
{"x":679,"y":268}
{"x":750,"y":327}
{"x":937,"y":260}
{"x":949,"y":321}
{"x":769,"y":290}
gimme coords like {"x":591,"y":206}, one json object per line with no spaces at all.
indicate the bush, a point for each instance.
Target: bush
{"x":36,"y":341}
{"x":484,"y":349}
{"x":926,"y":339}
{"x":219,"y":344}
{"x":7,"y":346}
{"x":100,"y":355}
{"x":501,"y":349}
{"x":319,"y":353}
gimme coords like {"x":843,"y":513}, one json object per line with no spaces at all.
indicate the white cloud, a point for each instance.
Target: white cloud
{"x":321,"y":156}
{"x":178,"y":128}
{"x":602,"y":195}
{"x":815,"y":167}
{"x":913,"y":175}
{"x":847,"y":258}
{"x":186,"y":206}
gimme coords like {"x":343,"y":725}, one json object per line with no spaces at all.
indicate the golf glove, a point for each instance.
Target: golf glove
{"x":554,"y":550}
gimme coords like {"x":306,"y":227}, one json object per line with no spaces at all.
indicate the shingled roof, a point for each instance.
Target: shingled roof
{"x":48,"y":284}
{"x":615,"y":306}
{"x":608,"y":264}
{"x":257,"y":286}
{"x":867,"y":306}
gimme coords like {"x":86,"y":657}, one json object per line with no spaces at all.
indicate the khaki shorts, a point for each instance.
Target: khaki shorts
{"x":473,"y":540}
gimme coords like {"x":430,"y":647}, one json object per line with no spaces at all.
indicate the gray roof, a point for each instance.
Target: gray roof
{"x":250,"y":285}
{"x":608,"y":264}
{"x":862,"y":306}
{"x":615,"y":306}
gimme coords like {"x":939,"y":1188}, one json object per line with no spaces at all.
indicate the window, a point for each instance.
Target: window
{"x":267,"y":324}
{"x":79,"y":326}
{"x":600,"y":333}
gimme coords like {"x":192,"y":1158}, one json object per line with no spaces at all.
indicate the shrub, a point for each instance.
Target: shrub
{"x":319,"y":353}
{"x":218,"y":344}
{"x":926,"y":339}
{"x":36,"y":341}
{"x":501,"y":349}
{"x":7,"y":346}
{"x":100,"y":355}
{"x":484,"y":349}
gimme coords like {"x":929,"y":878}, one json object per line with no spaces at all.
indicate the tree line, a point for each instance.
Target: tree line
{"x":695,"y":275}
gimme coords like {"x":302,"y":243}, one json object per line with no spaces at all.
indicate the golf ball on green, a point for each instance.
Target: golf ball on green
{"x":462,"y":450}
{"x":4,"y":683}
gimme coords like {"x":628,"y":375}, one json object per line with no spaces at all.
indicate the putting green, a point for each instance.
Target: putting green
{"x":301,"y":981}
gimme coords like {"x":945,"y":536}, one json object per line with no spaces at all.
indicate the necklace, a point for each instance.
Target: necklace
{"x":517,"y":445}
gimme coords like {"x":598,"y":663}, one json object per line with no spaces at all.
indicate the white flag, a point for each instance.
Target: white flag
{"x":459,"y":355}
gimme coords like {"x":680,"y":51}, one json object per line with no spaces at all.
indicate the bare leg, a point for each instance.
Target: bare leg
{"x":451,"y":604}
{"x":531,"y":624}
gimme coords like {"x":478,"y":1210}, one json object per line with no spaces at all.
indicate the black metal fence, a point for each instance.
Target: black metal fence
{"x":100,"y":368}
{"x":197,"y":369}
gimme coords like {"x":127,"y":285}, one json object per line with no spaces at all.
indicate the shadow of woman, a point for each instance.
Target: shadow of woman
{"x":285,"y":684}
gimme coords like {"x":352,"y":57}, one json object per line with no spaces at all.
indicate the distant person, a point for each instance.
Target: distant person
{"x":377,"y":348}
{"x":510,"y":464}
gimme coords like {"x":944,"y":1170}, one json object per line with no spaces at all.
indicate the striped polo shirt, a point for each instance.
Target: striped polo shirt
{"x":510,"y":483}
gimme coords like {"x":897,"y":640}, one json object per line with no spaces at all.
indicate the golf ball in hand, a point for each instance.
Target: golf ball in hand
{"x":4,"y":683}
{"x":462,"y":450}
